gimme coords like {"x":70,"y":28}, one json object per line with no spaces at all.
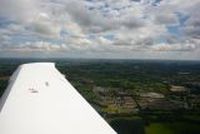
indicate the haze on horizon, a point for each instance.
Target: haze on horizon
{"x":128,"y":29}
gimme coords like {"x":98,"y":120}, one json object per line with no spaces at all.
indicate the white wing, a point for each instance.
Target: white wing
{"x":39,"y":100}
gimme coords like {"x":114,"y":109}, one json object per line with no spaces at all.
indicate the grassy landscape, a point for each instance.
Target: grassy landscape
{"x":134,"y":96}
{"x":172,"y":128}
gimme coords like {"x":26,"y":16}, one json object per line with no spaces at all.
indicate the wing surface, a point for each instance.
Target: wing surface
{"x":39,"y":100}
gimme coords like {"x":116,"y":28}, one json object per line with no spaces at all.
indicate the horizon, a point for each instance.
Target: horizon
{"x":49,"y":59}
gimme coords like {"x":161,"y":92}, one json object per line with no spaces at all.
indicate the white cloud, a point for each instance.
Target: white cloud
{"x":38,"y":46}
{"x":18,"y":10}
{"x":174,"y":47}
{"x":43,"y":25}
{"x":82,"y":26}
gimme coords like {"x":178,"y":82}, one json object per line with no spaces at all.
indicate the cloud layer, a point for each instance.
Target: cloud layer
{"x":164,"y":29}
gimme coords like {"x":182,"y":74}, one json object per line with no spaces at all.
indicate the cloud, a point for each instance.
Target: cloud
{"x":173,"y":47}
{"x":192,"y":24}
{"x":18,"y":10}
{"x":126,"y":28}
{"x":43,"y":26}
{"x":39,"y":46}
{"x":166,"y":19}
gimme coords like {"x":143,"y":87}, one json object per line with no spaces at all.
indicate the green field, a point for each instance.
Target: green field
{"x":172,"y":128}
{"x":119,"y":78}
{"x":138,"y":126}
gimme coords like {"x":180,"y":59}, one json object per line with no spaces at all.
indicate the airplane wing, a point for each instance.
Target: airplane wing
{"x":39,"y":100}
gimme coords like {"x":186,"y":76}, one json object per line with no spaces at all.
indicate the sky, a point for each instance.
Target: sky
{"x":122,"y":29}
